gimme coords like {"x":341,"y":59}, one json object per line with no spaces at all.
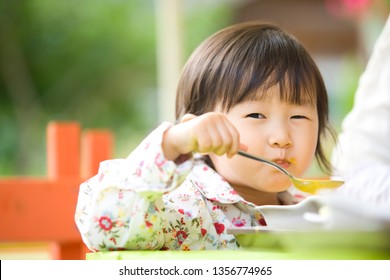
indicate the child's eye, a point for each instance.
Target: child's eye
{"x":299,"y":117}
{"x":256,"y":116}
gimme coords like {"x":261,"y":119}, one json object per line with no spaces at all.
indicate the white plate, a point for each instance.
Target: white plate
{"x":327,"y":213}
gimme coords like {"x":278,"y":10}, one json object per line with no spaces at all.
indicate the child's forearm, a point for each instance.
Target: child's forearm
{"x":169,"y":150}
{"x":173,"y":145}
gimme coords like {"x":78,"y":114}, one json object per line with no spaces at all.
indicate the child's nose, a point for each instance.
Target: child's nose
{"x":279,"y":137}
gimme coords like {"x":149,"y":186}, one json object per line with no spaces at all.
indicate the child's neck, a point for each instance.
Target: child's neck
{"x":258,"y":197}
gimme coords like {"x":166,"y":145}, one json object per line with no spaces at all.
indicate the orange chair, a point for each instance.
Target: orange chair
{"x":42,"y":209}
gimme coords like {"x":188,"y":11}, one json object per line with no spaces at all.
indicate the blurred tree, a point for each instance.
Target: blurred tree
{"x":92,"y":61}
{"x":89,"y":61}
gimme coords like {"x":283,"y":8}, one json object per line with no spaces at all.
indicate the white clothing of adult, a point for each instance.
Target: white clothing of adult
{"x":362,"y":155}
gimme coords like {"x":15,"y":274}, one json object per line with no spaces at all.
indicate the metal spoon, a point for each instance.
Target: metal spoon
{"x":305,"y":185}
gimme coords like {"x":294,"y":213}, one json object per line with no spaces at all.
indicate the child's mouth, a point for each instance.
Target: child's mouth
{"x":285,"y":163}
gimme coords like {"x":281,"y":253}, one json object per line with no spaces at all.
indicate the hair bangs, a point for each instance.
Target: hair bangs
{"x":263,"y":64}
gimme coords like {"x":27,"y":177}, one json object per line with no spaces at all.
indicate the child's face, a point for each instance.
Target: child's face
{"x":284,"y":133}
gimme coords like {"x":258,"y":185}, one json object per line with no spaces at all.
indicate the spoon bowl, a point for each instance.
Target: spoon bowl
{"x":306,"y":185}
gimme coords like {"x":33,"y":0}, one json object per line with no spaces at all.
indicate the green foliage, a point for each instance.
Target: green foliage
{"x":92,"y":61}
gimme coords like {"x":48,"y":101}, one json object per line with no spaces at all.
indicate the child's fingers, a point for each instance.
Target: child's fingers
{"x":235,"y":140}
{"x":209,"y":140}
{"x":213,"y":133}
{"x":210,"y":135}
{"x":227,"y":140}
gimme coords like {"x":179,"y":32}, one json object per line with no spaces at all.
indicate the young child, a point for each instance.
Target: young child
{"x":250,"y":86}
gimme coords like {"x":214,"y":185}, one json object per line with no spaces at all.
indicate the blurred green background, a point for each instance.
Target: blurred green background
{"x":94,"y":61}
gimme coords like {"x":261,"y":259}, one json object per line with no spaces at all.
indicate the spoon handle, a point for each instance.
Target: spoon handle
{"x":242,"y":153}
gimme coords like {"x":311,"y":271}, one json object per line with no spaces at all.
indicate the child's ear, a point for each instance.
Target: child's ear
{"x":187,"y":117}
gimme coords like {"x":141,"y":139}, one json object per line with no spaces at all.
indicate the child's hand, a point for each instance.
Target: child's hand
{"x":208,"y":133}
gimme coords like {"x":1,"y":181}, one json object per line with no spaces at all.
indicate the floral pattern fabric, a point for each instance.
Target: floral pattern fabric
{"x":146,"y":202}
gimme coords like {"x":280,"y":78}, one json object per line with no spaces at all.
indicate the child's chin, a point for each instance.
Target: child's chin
{"x":281,"y":186}
{"x":275,"y":188}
